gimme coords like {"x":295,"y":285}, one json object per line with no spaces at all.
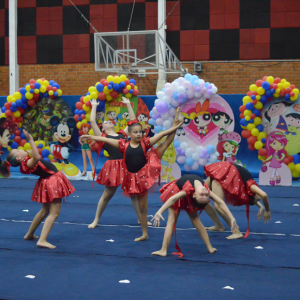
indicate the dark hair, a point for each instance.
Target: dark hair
{"x":293,"y":115}
{"x":197,"y":204}
{"x":285,"y":104}
{"x":133,"y":125}
{"x":2,"y":129}
{"x":4,"y":170}
{"x":13,"y":160}
{"x":221,"y":114}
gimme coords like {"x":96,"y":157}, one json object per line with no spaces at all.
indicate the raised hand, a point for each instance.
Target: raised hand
{"x":125,"y":100}
{"x":28,"y":135}
{"x":94,"y":102}
{"x":156,"y":219}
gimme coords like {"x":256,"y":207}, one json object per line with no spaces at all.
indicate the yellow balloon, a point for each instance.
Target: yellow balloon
{"x":40,"y":81}
{"x":28,"y":96}
{"x":36,"y":91}
{"x":110,"y":78}
{"x":109,"y":97}
{"x":258,"y":145}
{"x":257,"y":121}
{"x":123,"y":77}
{"x":246,"y":98}
{"x":85,"y":108}
{"x":50,"y":156}
{"x":286,"y":85}
{"x":9,"y":148}
{"x":295,"y":174}
{"x":250,"y":127}
{"x":9,"y":98}
{"x":253,"y":87}
{"x":45,"y":83}
{"x":88,"y":98}
{"x":255,"y":132}
{"x":42,"y":142}
{"x":135,"y":87}
{"x":27,"y":146}
{"x":128,"y":87}
{"x":283,"y":81}
{"x":43,"y":89}
{"x":294,"y":98}
{"x":17,"y":95}
{"x":36,"y":143}
{"x":106,"y":91}
{"x":291,"y":166}
{"x":88,"y":117}
{"x":244,"y":127}
{"x":297,"y":167}
{"x":270,"y":79}
{"x":117,"y":79}
{"x":94,"y":95}
{"x":258,"y":97}
{"x":296,"y":91}
{"x":20,"y":148}
{"x":261,"y":157}
{"x":261,"y":135}
{"x":59,"y":92}
{"x":247,"y":118}
{"x":13,"y":99}
{"x":17,"y":114}
{"x":276,"y":95}
{"x":258,"y":105}
{"x":84,"y":121}
{"x":260,"y":91}
{"x":247,"y":112}
{"x":91,"y":132}
{"x":128,"y":95}
{"x":92,"y":89}
{"x":105,"y":153}
{"x":27,"y":88}
{"x":3,"y":115}
{"x":50,"y":93}
{"x":78,"y":125}
{"x":48,"y":148}
{"x":280,"y":86}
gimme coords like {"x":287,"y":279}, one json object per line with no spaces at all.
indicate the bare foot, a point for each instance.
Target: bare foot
{"x":148,"y":223}
{"x":159,"y":253}
{"x":29,"y":237}
{"x":260,"y":213}
{"x":212,"y":250}
{"x":215,"y":228}
{"x":142,"y":238}
{"x":235,"y":236}
{"x":45,"y":245}
{"x":93,"y":225}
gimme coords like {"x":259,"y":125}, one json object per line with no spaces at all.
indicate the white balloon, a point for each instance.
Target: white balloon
{"x":180,"y":81}
{"x":189,"y":152}
{"x":197,"y":94}
{"x":187,"y":85}
{"x":207,"y":96}
{"x":157,"y":101}
{"x":213,"y":159}
{"x":167,"y":124}
{"x":183,"y":145}
{"x":174,"y":102}
{"x":181,"y":159}
{"x":167,"y":85}
{"x":187,"y":167}
{"x":165,"y":116}
{"x":190,"y":94}
{"x":195,"y":166}
{"x":159,"y":121}
{"x":199,"y":149}
{"x":167,"y":99}
{"x":201,"y":82}
{"x":171,"y":119}
{"x":155,"y":110}
{"x":172,"y":112}
{"x":195,"y":156}
{"x":181,"y":90}
{"x":174,"y":86}
{"x":202,"y":161}
{"x":160,"y":94}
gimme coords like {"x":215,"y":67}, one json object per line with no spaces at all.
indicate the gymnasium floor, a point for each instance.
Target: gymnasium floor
{"x":86,"y":265}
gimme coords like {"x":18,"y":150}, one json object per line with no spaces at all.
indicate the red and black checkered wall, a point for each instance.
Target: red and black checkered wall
{"x":52,"y":31}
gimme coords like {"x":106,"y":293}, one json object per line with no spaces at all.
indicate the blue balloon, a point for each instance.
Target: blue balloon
{"x":13,"y":109}
{"x":56,"y":85}
{"x":23,"y":137}
{"x":26,"y":84}
{"x":287,"y":97}
{"x":23,"y":91}
{"x":272,"y":91}
{"x":260,"y":127}
{"x":20,"y":129}
{"x":102,"y":104}
{"x":24,"y":106}
{"x":23,"y":99}
{"x":253,"y":97}
{"x":115,"y":86}
{"x":111,"y":82}
{"x":169,"y":106}
{"x":249,"y":106}
{"x":296,"y":158}
{"x":40,"y":146}
{"x":152,"y":122}
{"x":158,"y":128}
{"x":256,"y":112}
{"x":14,"y":145}
{"x":132,"y":81}
{"x":268,"y":94}
{"x":46,"y":159}
{"x":37,"y":85}
{"x":265,"y":85}
{"x":189,"y":161}
{"x":46,"y":95}
{"x":163,"y":89}
{"x":45,"y":153}
{"x":88,"y":93}
{"x":99,"y":87}
{"x":76,"y":111}
{"x":210,"y":149}
{"x":243,"y":122}
{"x":31,"y":91}
{"x":263,"y":140}
{"x":19,"y":103}
{"x":188,"y":76}
{"x":81,"y":112}
{"x":176,"y":143}
{"x":14,"y":105}
{"x":251,"y":121}
{"x":79,"y":119}
{"x":175,"y":95}
{"x":55,"y":94}
{"x":12,"y":137}
{"x":122,"y":84}
{"x":109,"y":86}
{"x":150,"y":113}
{"x":131,"y":91}
{"x":3,"y":109}
{"x":51,"y":82}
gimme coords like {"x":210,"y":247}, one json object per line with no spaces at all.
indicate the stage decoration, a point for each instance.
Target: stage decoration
{"x":206,"y":116}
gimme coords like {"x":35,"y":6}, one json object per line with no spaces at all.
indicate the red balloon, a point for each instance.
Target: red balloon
{"x":81,"y":100}
{"x":242,"y":108}
{"x":17,"y":132}
{"x":20,"y":119}
{"x":253,"y":116}
{"x":265,"y":78}
{"x":76,"y":118}
{"x":262,"y":152}
{"x":292,"y":86}
{"x":102,"y":81}
{"x":88,"y":103}
{"x":251,"y":147}
{"x":251,"y":140}
{"x":79,"y":105}
{"x":101,"y":96}
{"x":31,"y":86}
{"x":54,"y":89}
{"x":40,"y":151}
{"x":35,"y":96}
{"x":286,"y":161}
{"x":82,"y":116}
{"x":125,"y":91}
{"x":249,"y":93}
{"x":242,"y":116}
{"x":22,"y":143}
{"x":105,"y":82}
{"x":49,"y":88}
{"x":290,"y":158}
{"x":31,"y":102}
{"x":288,"y":90}
{"x":292,"y":94}
{"x":259,"y":82}
{"x":282,"y":93}
{"x":21,"y":110}
{"x":7,"y":105}
{"x":114,"y":94}
{"x":254,"y":102}
{"x":132,"y":85}
{"x":8,"y":113}
{"x":135,"y":92}
{"x":277,"y":80}
{"x":31,"y":81}
{"x":246,"y":134}
{"x":254,"y":93}
{"x":18,"y":139}
{"x":14,"y":119}
{"x":127,"y":82}
{"x":275,"y":86}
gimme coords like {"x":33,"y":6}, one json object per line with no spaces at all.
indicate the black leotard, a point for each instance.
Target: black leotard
{"x":135,"y":158}
{"x":39,"y":171}
{"x":114,"y":153}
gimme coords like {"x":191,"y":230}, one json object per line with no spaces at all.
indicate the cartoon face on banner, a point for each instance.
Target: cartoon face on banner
{"x":204,"y":121}
{"x":37,"y":118}
{"x":282,"y":116}
{"x":117,"y":112}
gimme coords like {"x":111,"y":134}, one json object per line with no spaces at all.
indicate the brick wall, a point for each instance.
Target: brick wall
{"x":229,"y":77}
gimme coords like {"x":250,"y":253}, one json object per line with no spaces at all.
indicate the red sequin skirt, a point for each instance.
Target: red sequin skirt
{"x":112,"y":173}
{"x":236,"y":192}
{"x":186,"y":203}
{"x":54,"y":187}
{"x":136,"y":183}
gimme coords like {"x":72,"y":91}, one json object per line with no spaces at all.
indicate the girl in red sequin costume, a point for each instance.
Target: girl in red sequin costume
{"x":191,"y":194}
{"x":142,"y":167}
{"x":49,"y":190}
{"x":235,"y":185}
{"x":112,"y":172}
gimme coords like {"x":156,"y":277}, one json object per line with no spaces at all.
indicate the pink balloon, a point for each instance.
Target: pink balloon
{"x":168,"y":92}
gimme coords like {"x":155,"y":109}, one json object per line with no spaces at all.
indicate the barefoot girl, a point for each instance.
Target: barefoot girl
{"x":49,"y":190}
{"x":235,"y":185}
{"x":142,"y":167}
{"x":191,"y":194}
{"x":112,"y":172}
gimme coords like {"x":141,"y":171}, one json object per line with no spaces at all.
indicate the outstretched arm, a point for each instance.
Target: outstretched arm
{"x":93,"y":120}
{"x":168,"y":204}
{"x":225,"y":209}
{"x":130,"y":111}
{"x":32,"y":162}
{"x":112,"y":142}
{"x":256,"y":190}
{"x":159,"y":136}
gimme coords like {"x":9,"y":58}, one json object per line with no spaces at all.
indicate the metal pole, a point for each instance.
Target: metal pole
{"x":13,"y":47}
{"x":162,"y":32}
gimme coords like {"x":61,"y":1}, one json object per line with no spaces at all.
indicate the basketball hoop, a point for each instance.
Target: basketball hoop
{"x":123,"y":68}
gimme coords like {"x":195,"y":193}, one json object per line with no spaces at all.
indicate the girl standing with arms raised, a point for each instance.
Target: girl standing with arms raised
{"x":142,"y":167}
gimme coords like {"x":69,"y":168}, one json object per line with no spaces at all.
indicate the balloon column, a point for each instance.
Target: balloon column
{"x":262,"y":91}
{"x":17,"y":104}
{"x":107,"y":89}
{"x":174,"y":95}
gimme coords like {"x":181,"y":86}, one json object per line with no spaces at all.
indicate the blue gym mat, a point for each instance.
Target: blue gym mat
{"x":85,"y":265}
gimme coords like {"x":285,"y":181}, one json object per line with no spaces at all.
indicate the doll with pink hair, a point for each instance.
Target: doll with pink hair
{"x":276,"y":141}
